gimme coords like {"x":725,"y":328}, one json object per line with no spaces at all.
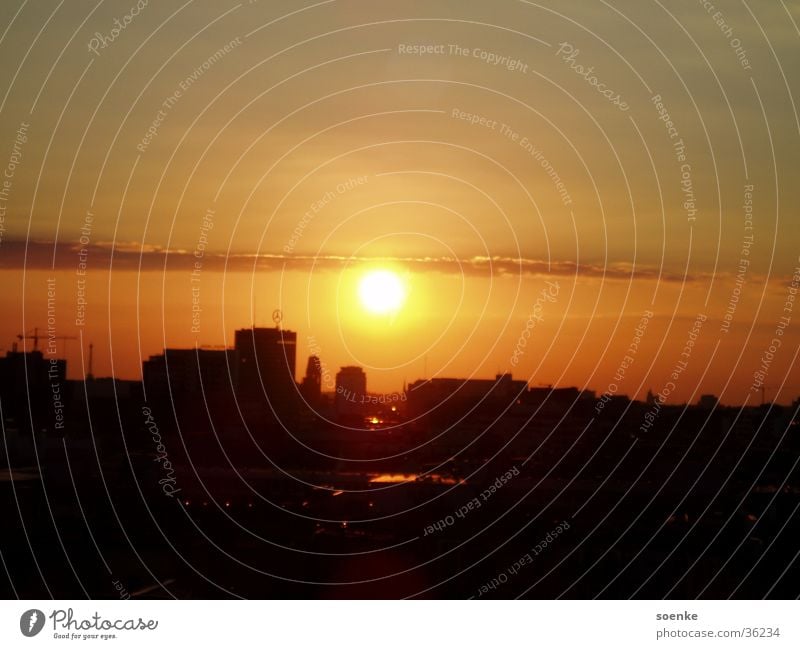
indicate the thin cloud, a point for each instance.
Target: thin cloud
{"x":127,"y":256}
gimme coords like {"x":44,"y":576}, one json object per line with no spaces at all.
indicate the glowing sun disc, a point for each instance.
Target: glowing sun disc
{"x":381,"y":291}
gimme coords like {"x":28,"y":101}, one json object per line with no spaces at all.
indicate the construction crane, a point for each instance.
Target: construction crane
{"x":34,"y":336}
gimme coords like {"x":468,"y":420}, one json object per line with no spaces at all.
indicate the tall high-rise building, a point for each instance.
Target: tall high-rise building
{"x":312,"y":382}
{"x":267,"y":359}
{"x":351,"y":391}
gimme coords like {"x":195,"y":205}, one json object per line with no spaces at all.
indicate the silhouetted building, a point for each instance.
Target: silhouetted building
{"x":459,"y":396}
{"x":178,"y":373}
{"x":351,"y":391}
{"x":33,"y":391}
{"x":107,"y":388}
{"x":312,"y":382}
{"x":106,"y":410}
{"x":267,"y":359}
{"x":192,"y":385}
{"x":562,"y":398}
{"x":708,"y":402}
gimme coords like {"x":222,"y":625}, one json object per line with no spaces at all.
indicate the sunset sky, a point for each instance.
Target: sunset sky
{"x":282,"y":151}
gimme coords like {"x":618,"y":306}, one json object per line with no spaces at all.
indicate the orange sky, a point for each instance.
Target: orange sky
{"x":288,"y":152}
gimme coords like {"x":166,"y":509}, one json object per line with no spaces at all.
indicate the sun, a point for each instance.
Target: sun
{"x":381,"y":292}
